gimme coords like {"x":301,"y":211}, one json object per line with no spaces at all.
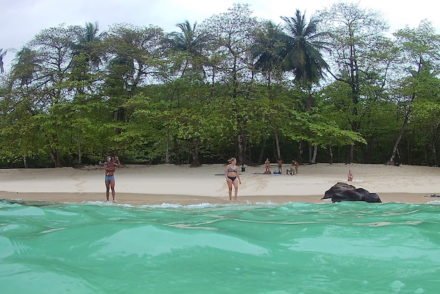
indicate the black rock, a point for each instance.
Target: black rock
{"x":345,"y":192}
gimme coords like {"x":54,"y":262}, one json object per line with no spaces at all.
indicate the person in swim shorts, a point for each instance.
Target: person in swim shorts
{"x":110,"y":167}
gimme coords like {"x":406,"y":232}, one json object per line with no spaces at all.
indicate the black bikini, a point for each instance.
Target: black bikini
{"x":231,"y":170}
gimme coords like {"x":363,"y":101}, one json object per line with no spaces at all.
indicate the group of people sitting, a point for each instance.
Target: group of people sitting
{"x":291,"y":170}
{"x":232,"y":174}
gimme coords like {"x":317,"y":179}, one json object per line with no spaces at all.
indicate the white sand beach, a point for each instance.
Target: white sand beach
{"x":182,"y":184}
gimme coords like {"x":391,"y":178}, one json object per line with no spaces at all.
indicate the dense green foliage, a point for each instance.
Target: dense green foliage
{"x":335,"y":88}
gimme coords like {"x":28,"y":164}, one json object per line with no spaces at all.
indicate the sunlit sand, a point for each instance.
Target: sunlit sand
{"x":184,"y":185}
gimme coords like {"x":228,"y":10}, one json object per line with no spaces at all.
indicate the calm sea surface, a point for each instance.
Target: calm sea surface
{"x":291,"y":248}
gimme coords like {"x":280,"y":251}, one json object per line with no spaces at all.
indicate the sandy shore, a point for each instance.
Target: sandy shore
{"x":184,"y":185}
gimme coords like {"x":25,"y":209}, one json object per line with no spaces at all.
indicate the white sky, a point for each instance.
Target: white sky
{"x":21,"y":20}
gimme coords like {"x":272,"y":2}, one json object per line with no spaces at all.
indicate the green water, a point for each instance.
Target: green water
{"x":293,"y":248}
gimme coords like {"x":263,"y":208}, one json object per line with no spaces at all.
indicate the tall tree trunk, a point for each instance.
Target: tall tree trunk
{"x":167,"y":150}
{"x":434,"y":153}
{"x":184,"y":68}
{"x":234,"y":79}
{"x":195,"y":153}
{"x":399,"y":137}
{"x":407,"y":115}
{"x":351,"y":155}
{"x":426,"y":155}
{"x":355,"y":90}
{"x":245,"y":150}
{"x":25,"y":161}
{"x":213,"y":82}
{"x":261,"y":156}
{"x":167,"y":154}
{"x":249,"y":85}
{"x":54,"y":155}
{"x":79,"y":154}
{"x":331,"y":154}
{"x":309,"y":146}
{"x":277,"y":145}
{"x":315,"y":153}
{"x":309,"y":101}
{"x":240,"y":140}
{"x":434,"y":144}
{"x":269,"y":86}
{"x":300,"y":152}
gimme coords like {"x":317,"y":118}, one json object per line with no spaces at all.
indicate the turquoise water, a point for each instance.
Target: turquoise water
{"x":292,"y":248}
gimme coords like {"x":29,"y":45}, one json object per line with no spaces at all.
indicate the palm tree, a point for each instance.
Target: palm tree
{"x":26,"y":67}
{"x":303,"y":56}
{"x":267,"y":50}
{"x":87,"y":43}
{"x":267,"y":54}
{"x":87,"y":55}
{"x":303,"y":49}
{"x":191,"y":43}
{"x":2,"y":54}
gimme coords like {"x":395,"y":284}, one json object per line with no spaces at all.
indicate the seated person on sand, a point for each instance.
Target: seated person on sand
{"x":290,"y":171}
{"x":293,"y":170}
{"x":267,"y":167}
{"x":280,"y":167}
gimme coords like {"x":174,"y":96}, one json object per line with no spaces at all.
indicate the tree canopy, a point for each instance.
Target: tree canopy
{"x":329,"y":87}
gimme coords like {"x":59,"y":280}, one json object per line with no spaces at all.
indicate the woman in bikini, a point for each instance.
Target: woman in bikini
{"x":231,"y":174}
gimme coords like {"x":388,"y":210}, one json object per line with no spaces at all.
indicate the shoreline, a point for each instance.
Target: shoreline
{"x":181,"y":184}
{"x":148,"y":199}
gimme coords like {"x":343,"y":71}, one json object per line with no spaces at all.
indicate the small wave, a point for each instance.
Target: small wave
{"x":386,"y":223}
{"x":106,"y":203}
{"x":52,"y":230}
{"x":176,"y":205}
{"x":101,"y":203}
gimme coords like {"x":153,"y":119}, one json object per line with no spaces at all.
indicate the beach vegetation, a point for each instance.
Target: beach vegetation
{"x":335,"y":86}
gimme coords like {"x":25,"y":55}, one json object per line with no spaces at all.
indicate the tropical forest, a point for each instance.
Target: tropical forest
{"x":337,"y":86}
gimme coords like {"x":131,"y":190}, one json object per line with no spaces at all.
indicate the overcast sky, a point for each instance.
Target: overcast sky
{"x":21,"y":20}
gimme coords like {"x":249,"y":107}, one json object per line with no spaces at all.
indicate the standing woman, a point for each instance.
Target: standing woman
{"x":231,"y":174}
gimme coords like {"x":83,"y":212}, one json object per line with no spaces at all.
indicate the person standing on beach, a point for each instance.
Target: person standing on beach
{"x":232,"y":175}
{"x":349,"y":176}
{"x":293,"y":170}
{"x":110,"y":168}
{"x":295,"y":165}
{"x":280,"y":166}
{"x":267,"y":167}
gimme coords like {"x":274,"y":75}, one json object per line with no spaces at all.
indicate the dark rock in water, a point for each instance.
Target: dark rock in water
{"x":372,"y":198}
{"x":345,"y":192}
{"x":338,"y":188}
